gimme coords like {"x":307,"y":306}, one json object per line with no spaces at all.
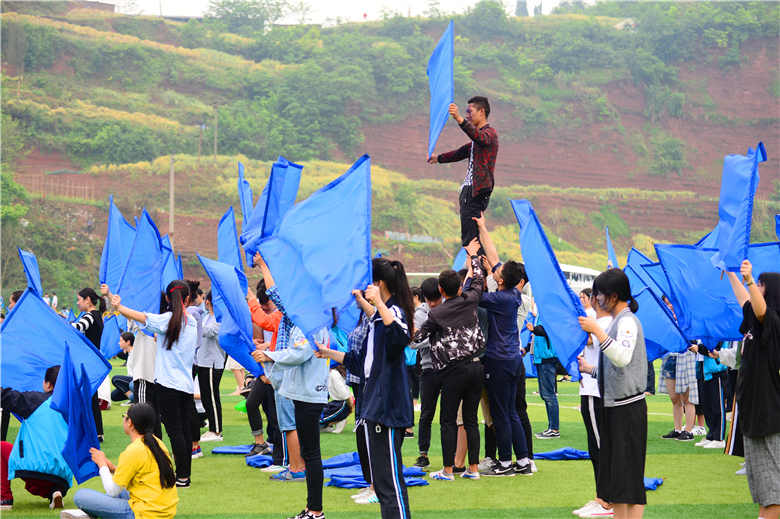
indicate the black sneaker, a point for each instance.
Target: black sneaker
{"x":671,"y":435}
{"x":422,"y":461}
{"x":183,"y":482}
{"x":524,"y":470}
{"x":408,"y":434}
{"x":685,"y":436}
{"x":259,"y":448}
{"x":305,"y":514}
{"x":458,"y":470}
{"x":499,"y":470}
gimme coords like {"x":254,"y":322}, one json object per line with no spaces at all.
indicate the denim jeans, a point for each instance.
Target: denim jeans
{"x":546,"y":374}
{"x":98,"y":504}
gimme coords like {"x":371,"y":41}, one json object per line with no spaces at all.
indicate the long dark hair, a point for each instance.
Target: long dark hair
{"x":771,"y":282}
{"x":615,"y":282}
{"x":143,"y":417}
{"x":394,"y":276}
{"x":176,"y":294}
{"x":88,"y":293}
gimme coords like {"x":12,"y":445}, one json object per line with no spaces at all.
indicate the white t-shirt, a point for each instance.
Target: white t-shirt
{"x":589,"y":386}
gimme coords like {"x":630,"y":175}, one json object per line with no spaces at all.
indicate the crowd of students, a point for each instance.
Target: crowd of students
{"x":455,"y":341}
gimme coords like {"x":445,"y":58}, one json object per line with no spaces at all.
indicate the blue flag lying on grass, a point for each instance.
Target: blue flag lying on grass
{"x":72,"y":397}
{"x":142,"y":278}
{"x":229,"y":286}
{"x":441,"y":83}
{"x":228,"y":249}
{"x":116,"y":249}
{"x":109,"y":340}
{"x":612,"y":261}
{"x":735,"y":208}
{"x":322,"y":251}
{"x":556,"y":301}
{"x":705,"y":303}
{"x":170,"y":271}
{"x":32,"y":322}
{"x":30,"y":264}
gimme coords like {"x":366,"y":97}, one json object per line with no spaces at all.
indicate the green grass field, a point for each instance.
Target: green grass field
{"x":698,"y":483}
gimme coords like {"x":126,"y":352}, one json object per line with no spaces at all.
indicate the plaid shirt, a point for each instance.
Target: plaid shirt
{"x":356,"y":340}
{"x":481,"y":152}
{"x":285,"y":325}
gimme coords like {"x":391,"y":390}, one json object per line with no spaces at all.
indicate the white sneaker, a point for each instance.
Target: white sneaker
{"x":338,"y":426}
{"x":56,"y":500}
{"x":716,"y":445}
{"x":485,"y":464}
{"x":699,"y":431}
{"x":741,"y":472}
{"x":74,"y":514}
{"x":597,"y":511}
{"x":584,"y":507}
{"x":533,"y":467}
{"x":368,"y":499}
{"x":703,"y":443}
{"x":362,"y":493}
{"x":210,"y":436}
{"x":273,"y":468}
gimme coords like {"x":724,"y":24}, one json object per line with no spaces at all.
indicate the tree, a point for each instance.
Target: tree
{"x":521,"y":9}
{"x":246,"y":17}
{"x":300,"y":10}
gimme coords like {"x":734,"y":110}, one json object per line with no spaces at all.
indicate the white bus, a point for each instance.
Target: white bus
{"x":579,"y":277}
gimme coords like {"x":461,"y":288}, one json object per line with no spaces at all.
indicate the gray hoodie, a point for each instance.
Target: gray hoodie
{"x":622,"y":370}
{"x":424,"y":347}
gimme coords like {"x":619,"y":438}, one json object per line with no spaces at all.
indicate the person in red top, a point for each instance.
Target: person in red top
{"x":482,"y":152}
{"x":266,"y":317}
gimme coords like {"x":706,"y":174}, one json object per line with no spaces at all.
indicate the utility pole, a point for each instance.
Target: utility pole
{"x":216,"y":131}
{"x":171,"y":205}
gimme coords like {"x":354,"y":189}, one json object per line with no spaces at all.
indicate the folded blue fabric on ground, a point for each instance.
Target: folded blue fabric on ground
{"x":341,"y":460}
{"x":355,"y":471}
{"x":232,"y":449}
{"x":359,"y":482}
{"x":566,"y":453}
{"x":653,"y":483}
{"x":259,"y":461}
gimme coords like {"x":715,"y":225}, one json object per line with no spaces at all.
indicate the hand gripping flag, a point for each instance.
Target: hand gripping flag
{"x":229,"y":286}
{"x":72,"y":397}
{"x":142,"y":277}
{"x":612,"y":262}
{"x":116,"y":249}
{"x":557,"y":302}
{"x":735,"y":209}
{"x":32,"y":323}
{"x":441,"y":85}
{"x":30,"y":264}
{"x":321,"y":251}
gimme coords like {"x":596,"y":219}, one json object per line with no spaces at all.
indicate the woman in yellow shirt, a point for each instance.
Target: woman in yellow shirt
{"x":143,"y":482}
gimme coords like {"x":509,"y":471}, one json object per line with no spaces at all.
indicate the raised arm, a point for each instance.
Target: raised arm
{"x":486,"y":241}
{"x":740,"y":292}
{"x":757,"y":300}
{"x":264,"y":270}
{"x":135,"y":315}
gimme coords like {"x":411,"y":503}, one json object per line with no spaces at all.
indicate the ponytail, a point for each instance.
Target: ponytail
{"x":633,"y":305}
{"x":177,"y":292}
{"x":143,"y":417}
{"x":394,"y":276}
{"x":99,"y":302}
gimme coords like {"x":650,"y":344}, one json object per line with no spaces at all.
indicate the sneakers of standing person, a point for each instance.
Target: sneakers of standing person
{"x":741,"y":472}
{"x":305,"y":514}
{"x":470,"y":475}
{"x":288,"y":475}
{"x":523,"y":470}
{"x":197,"y":452}
{"x":368,"y":499}
{"x":716,"y":445}
{"x":548,"y":434}
{"x":273,"y":468}
{"x":104,"y":405}
{"x":702,"y":443}
{"x":422,"y":461}
{"x":497,"y":469}
{"x":533,"y":467}
{"x":7,"y":504}
{"x":362,"y":493}
{"x":485,"y":464}
{"x":408,"y":434}
{"x":671,"y":435}
{"x":441,"y":476}
{"x":257,"y":448}
{"x":581,"y":509}
{"x":183,"y":483}
{"x":685,"y":436}
{"x":56,"y":500}
{"x":698,"y":430}
{"x":337,"y":427}
{"x":597,"y":511}
{"x":210,"y":436}
{"x":74,"y":514}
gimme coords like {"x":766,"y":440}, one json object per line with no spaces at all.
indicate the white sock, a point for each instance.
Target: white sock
{"x":505,"y":464}
{"x":524,"y":461}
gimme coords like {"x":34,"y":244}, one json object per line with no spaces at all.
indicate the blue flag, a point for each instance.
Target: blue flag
{"x":441,"y":84}
{"x":709,"y":240}
{"x":32,"y":323}
{"x":228,"y":249}
{"x":735,"y":208}
{"x":460,"y":260}
{"x":72,"y":397}
{"x":142,"y":278}
{"x":170,"y":272}
{"x":71,"y":316}
{"x":322,"y":251}
{"x":116,"y":249}
{"x":109,"y":340}
{"x":179,"y":267}
{"x":612,"y":261}
{"x":662,"y":335}
{"x":705,"y":303}
{"x":777,"y":226}
{"x":636,"y":260}
{"x":656,"y":273}
{"x":528,"y":358}
{"x":228,"y":289}
{"x":249,"y":220}
{"x":556,"y":301}
{"x":30,"y":264}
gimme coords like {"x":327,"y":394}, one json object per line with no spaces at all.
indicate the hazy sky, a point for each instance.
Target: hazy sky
{"x":330,"y":10}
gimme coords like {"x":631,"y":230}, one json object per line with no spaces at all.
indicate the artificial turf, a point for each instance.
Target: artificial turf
{"x":698,"y":483}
